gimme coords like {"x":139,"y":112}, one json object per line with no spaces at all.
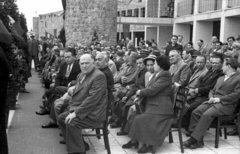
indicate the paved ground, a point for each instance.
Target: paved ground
{"x":26,"y":136}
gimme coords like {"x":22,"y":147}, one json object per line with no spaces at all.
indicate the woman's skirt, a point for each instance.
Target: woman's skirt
{"x":151,"y":129}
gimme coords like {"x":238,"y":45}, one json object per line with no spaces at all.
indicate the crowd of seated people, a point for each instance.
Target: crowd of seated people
{"x":81,"y":81}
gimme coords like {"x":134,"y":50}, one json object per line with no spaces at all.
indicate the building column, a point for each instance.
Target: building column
{"x":229,"y":27}
{"x":202,"y":30}
{"x":182,"y":29}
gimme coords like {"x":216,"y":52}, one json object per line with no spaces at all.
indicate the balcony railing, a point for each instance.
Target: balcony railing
{"x":185,"y":8}
{"x":233,"y":3}
{"x":209,"y":5}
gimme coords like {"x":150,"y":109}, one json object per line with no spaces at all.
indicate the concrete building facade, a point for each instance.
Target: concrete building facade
{"x":48,"y":25}
{"x":155,"y":17}
{"x":202,"y":19}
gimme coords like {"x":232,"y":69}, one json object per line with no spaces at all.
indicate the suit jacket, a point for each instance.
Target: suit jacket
{"x":208,"y":81}
{"x":33,"y":47}
{"x":194,"y":80}
{"x":61,"y":80}
{"x":110,"y":82}
{"x":158,"y":94}
{"x":89,"y":99}
{"x":170,"y":47}
{"x":180,"y":73}
{"x":119,"y":63}
{"x":139,"y":83}
{"x":229,"y":93}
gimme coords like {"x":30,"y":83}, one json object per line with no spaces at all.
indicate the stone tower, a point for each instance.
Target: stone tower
{"x":83,"y":18}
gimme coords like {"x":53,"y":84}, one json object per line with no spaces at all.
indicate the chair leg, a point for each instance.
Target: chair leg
{"x":180,"y":137}
{"x":225,"y":132}
{"x":217,"y":134}
{"x":106,"y":140}
{"x":153,"y":150}
{"x":170,"y":136}
{"x":98,"y":132}
{"x":220,"y":132}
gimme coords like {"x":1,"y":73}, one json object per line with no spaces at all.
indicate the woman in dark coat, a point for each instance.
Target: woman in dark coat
{"x":152,"y":126}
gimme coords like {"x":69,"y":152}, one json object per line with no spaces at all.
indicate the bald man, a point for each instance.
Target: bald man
{"x":87,"y":107}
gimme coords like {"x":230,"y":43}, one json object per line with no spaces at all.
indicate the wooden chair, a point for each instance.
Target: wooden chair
{"x":221,"y":122}
{"x":104,"y":129}
{"x":180,"y":109}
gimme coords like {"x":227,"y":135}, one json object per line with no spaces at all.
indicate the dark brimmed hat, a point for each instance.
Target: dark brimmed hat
{"x":150,"y":57}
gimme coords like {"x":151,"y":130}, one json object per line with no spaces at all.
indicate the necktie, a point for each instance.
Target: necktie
{"x":68,"y":71}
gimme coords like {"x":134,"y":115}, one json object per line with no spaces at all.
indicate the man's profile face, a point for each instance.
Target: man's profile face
{"x":180,"y":38}
{"x":184,"y":55}
{"x":218,"y":46}
{"x":68,"y":57}
{"x":199,"y":43}
{"x":100,"y":61}
{"x":86,"y":63}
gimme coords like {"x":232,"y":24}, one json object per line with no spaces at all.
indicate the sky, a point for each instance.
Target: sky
{"x":33,"y":8}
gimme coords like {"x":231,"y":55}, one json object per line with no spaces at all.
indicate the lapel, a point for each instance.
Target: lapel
{"x":81,"y":85}
{"x":175,"y":68}
{"x":227,"y":81}
{"x":194,"y":76}
{"x":152,"y":79}
{"x":131,"y":70}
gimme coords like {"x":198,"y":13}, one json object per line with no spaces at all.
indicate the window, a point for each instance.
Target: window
{"x":129,"y":13}
{"x":136,"y":13}
{"x":45,"y":24}
{"x":143,"y":12}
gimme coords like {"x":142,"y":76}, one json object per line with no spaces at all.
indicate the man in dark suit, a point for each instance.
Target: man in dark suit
{"x":223,"y":99}
{"x":119,"y":59}
{"x":179,"y":70}
{"x":200,"y":93}
{"x":68,"y":72}
{"x":33,"y":49}
{"x":174,"y":46}
{"x":87,"y":107}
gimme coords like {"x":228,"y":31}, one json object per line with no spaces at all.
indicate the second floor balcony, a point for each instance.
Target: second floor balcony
{"x":209,"y":5}
{"x":233,"y":3}
{"x":185,"y":8}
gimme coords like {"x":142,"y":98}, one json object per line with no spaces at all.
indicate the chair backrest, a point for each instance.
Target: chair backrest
{"x":180,"y":98}
{"x":109,"y":102}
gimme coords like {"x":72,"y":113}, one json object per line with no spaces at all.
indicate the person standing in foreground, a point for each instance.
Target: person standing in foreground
{"x":87,"y":107}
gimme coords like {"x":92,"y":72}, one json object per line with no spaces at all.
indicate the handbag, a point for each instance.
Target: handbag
{"x":139,"y":106}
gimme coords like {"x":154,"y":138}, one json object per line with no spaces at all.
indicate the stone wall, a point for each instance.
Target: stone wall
{"x":84,"y":17}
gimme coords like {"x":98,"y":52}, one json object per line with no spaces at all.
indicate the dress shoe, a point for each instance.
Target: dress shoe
{"x":233,"y":132}
{"x":50,"y":125}
{"x":145,"y":149}
{"x":130,"y":145}
{"x":43,"y":112}
{"x":189,"y":142}
{"x":198,"y":144}
{"x":121,"y":133}
{"x":62,"y":142}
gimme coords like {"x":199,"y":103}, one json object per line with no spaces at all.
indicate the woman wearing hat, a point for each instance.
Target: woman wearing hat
{"x":152,"y":126}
